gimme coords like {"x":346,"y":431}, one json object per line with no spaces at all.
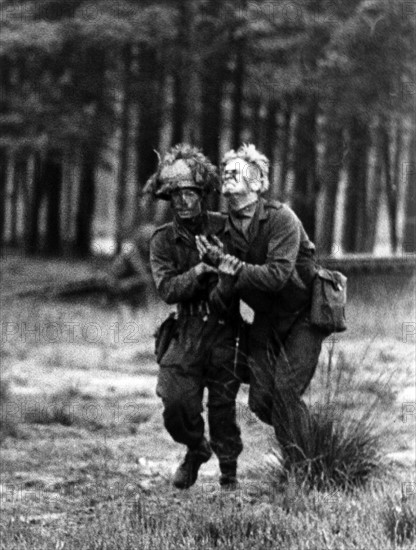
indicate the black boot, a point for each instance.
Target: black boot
{"x":228,"y":478}
{"x":187,"y":472}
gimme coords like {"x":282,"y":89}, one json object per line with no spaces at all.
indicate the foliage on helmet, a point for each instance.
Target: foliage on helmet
{"x":203,"y":172}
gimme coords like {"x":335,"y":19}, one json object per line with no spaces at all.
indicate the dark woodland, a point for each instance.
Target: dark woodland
{"x":91,"y":89}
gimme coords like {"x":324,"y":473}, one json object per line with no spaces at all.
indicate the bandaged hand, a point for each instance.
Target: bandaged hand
{"x":210,"y":253}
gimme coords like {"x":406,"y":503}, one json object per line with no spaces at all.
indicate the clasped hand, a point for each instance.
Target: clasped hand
{"x":209,"y":252}
{"x":214,"y":255}
{"x":229,"y":265}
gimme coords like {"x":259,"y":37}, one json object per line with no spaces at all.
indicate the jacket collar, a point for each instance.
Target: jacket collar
{"x":260,"y":211}
{"x":183,"y":232}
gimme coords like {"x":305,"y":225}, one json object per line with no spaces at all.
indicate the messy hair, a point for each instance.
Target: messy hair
{"x":258,"y":161}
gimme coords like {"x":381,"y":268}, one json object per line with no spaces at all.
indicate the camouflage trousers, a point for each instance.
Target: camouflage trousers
{"x":283,"y":359}
{"x":201,"y":355}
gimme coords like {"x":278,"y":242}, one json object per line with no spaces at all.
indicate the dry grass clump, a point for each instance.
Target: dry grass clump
{"x":334,"y":451}
{"x":339,"y":444}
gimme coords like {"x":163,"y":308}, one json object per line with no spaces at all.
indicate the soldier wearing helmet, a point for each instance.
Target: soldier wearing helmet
{"x":195,"y":350}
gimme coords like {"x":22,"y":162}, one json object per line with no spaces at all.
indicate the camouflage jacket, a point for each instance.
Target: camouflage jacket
{"x":173,"y":257}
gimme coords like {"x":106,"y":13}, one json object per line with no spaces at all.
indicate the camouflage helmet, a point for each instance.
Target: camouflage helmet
{"x":183,"y":166}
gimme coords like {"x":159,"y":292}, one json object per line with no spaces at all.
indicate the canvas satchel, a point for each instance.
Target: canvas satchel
{"x":329,"y":298}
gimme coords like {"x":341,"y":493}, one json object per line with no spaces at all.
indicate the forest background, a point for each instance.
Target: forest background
{"x":91,"y":89}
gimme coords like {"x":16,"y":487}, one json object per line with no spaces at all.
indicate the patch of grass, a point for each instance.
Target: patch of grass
{"x":70,"y":407}
{"x":166,"y":520}
{"x":92,"y":491}
{"x":400,"y":520}
{"x":57,"y":409}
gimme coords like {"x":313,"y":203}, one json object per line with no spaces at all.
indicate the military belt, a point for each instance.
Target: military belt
{"x":195,"y":309}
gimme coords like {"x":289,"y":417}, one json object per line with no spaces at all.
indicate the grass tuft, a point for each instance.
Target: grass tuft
{"x":334,"y":451}
{"x":333,"y":445}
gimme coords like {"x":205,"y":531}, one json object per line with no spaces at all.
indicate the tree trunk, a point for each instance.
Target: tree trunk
{"x":256,"y":122}
{"x":21,"y":178}
{"x":212,"y":87}
{"x":409,"y":172}
{"x":269,"y":145}
{"x":13,"y":199}
{"x":181,"y":74}
{"x":52,"y":181}
{"x":150,"y":112}
{"x":304,"y":166}
{"x":4,"y":107}
{"x":91,"y":150}
{"x":213,"y":76}
{"x":285,"y":149}
{"x":331,"y":169}
{"x":150,"y":83}
{"x":238,"y":94}
{"x":86,"y":202}
{"x":68,"y":202}
{"x":124,"y":147}
{"x":35,"y":199}
{"x":179,"y":109}
{"x":3,"y":188}
{"x":392,"y":171}
{"x":354,"y":227}
{"x":211,"y":122}
{"x":375,"y":191}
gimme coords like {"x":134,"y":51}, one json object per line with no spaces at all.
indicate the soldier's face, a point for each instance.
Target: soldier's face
{"x":186,"y":203}
{"x":235,"y":178}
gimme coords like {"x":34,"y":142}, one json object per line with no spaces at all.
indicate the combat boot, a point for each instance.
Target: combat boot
{"x":228,"y":478}
{"x":187,"y":472}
